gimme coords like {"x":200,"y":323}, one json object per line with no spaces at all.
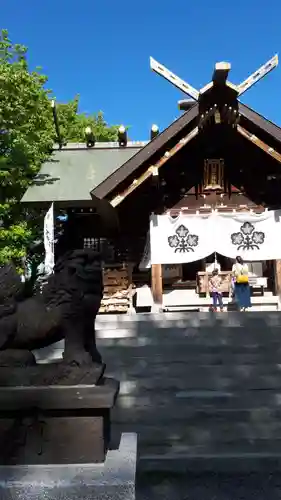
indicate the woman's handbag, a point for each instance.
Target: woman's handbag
{"x":242,"y":278}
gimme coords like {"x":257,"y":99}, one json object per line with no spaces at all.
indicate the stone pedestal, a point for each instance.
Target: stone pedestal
{"x":112,"y":480}
{"x":56,"y":424}
{"x":54,"y":438}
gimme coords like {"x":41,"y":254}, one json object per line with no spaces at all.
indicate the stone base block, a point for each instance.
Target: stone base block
{"x":112,"y":480}
{"x":56,"y":424}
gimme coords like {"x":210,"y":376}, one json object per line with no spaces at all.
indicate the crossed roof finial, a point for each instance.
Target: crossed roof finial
{"x":219,"y":77}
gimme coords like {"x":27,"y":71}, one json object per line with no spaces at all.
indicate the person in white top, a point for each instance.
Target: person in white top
{"x":242,"y":291}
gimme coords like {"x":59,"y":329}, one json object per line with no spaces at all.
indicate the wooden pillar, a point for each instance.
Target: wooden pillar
{"x":207,"y":284}
{"x":277,"y":277}
{"x":156,"y":284}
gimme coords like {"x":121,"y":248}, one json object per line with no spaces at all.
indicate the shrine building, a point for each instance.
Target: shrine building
{"x":166,"y":211}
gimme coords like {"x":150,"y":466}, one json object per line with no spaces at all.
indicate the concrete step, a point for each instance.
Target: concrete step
{"x":167,"y":405}
{"x":213,"y":445}
{"x":199,"y":439}
{"x":193,"y":317}
{"x":217,"y":447}
{"x":164,"y":484}
{"x":147,"y":370}
{"x":190,"y":349}
{"x":186,"y":318}
{"x":211,"y":380}
{"x":208,"y":335}
{"x":260,"y":410}
{"x":120,"y":354}
{"x":131,"y":355}
{"x":230,"y":463}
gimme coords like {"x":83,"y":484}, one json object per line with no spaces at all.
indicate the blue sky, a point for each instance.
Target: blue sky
{"x":100,"y":49}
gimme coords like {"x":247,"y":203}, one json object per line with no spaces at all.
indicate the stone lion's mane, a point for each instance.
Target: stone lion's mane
{"x":74,"y":290}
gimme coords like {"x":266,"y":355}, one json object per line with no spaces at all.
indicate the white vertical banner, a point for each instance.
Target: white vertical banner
{"x":49,"y":240}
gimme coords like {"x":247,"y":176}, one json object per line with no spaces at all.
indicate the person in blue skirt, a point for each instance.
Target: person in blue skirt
{"x":242,"y":290}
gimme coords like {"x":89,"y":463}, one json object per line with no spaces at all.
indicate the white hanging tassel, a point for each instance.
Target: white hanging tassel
{"x":49,"y":240}
{"x":216,"y":262}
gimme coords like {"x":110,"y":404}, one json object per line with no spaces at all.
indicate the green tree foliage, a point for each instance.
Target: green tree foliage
{"x":26,"y":134}
{"x":72,"y":124}
{"x":26,"y":138}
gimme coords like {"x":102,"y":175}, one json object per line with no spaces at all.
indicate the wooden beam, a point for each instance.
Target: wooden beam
{"x":174,"y":79}
{"x":262,"y":145}
{"x":210,"y":85}
{"x":157,"y":284}
{"x":258,"y":75}
{"x":277,"y":277}
{"x":221,"y":72}
{"x":185,"y":104}
{"x":153,"y":169}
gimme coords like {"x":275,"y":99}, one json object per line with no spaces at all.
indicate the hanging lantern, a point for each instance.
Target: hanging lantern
{"x":213,"y":179}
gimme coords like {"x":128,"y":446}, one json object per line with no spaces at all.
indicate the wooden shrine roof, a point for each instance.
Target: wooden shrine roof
{"x":253,"y":120}
{"x":79,"y":174}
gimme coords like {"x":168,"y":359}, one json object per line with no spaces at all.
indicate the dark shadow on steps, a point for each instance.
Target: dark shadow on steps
{"x":156,"y":486}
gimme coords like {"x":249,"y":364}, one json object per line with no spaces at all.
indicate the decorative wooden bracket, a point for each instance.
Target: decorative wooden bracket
{"x":153,"y":170}
{"x":262,"y":145}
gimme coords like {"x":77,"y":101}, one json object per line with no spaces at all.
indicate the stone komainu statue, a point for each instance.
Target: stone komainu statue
{"x":66,"y":309}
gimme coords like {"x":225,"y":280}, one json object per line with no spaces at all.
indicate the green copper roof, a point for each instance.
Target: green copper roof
{"x":71,"y":174}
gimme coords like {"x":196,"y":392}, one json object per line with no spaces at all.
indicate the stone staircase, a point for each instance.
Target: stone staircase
{"x":203,"y":391}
